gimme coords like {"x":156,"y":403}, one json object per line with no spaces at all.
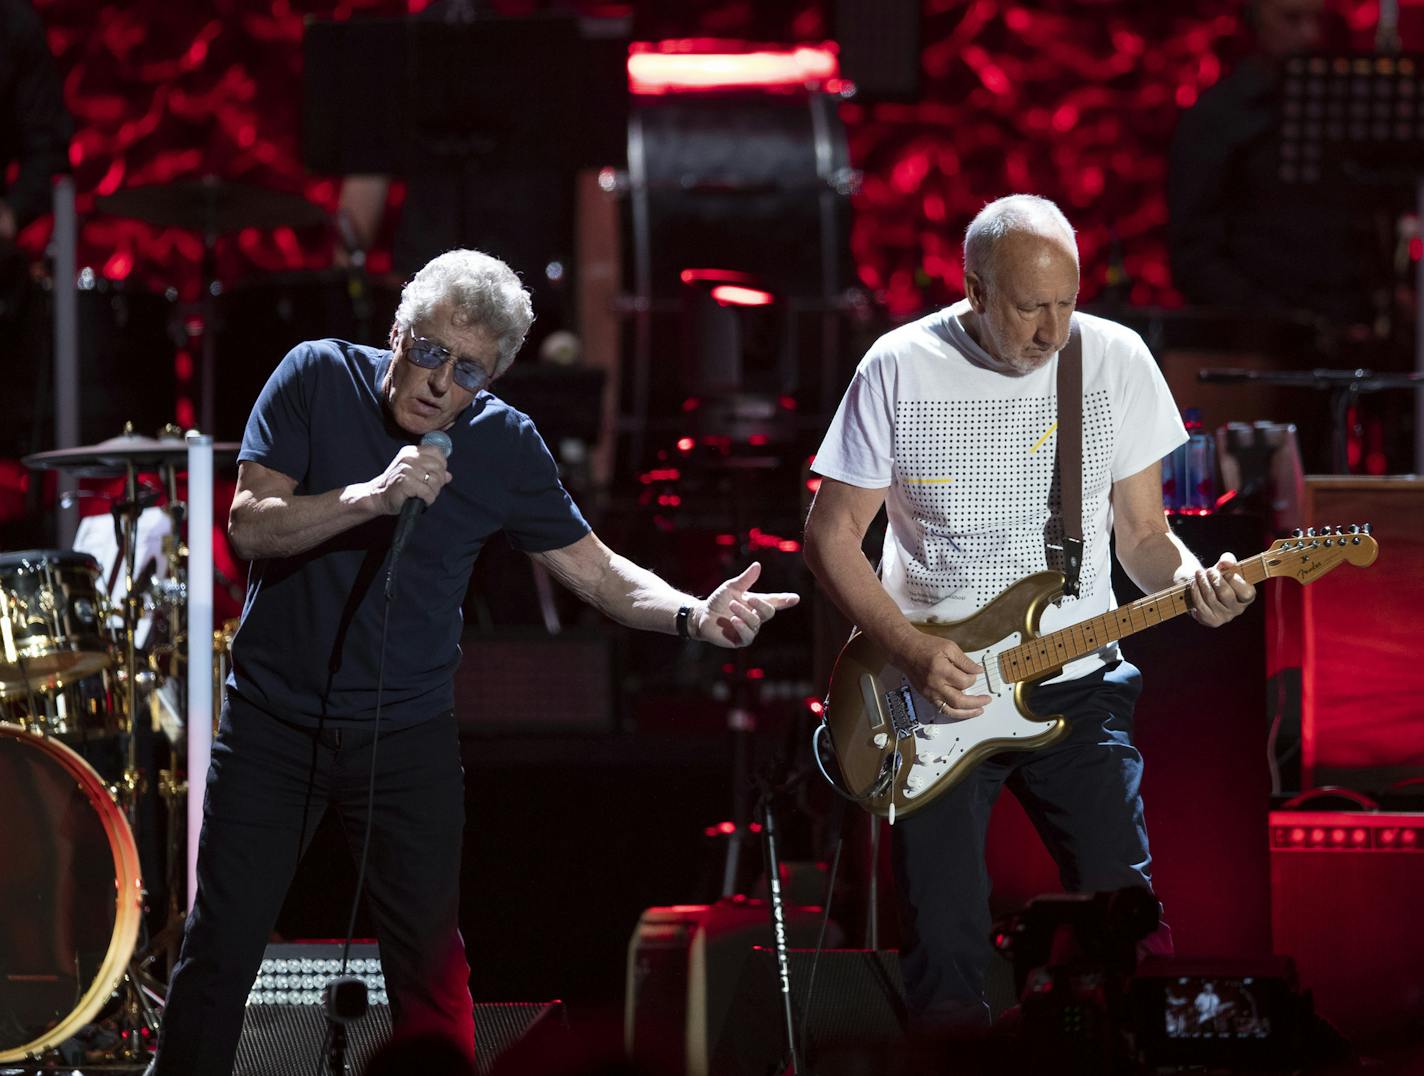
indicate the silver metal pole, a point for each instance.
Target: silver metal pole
{"x":66,"y":350}
{"x":200,"y":639}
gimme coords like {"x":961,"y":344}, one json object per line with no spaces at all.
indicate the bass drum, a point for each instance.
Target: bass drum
{"x":70,"y":890}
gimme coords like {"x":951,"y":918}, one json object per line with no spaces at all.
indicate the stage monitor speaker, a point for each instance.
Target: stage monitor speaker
{"x":287,"y":1040}
{"x":1344,"y":902}
{"x":856,"y":1017}
{"x":284,"y":1028}
{"x":686,"y":964}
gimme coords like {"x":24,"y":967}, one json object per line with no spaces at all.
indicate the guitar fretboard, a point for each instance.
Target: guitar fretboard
{"x":1049,"y":653}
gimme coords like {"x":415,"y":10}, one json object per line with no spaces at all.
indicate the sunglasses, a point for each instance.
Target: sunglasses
{"x":468,"y":374}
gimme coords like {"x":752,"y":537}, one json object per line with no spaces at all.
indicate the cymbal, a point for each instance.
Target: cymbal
{"x":49,"y":672}
{"x":212,"y":206}
{"x":113,"y":456}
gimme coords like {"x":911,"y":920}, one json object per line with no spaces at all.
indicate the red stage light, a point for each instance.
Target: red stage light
{"x":1359,"y":836}
{"x":716,"y":276}
{"x":1409,"y":837}
{"x":685,"y":444}
{"x":1317,"y":836}
{"x":700,"y":65}
{"x":1297,"y":835}
{"x":815,"y":705}
{"x":736,"y":295}
{"x":119,"y":265}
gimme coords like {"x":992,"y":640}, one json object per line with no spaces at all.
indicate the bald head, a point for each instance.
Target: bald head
{"x":1021,"y":280}
{"x":1002,"y":227}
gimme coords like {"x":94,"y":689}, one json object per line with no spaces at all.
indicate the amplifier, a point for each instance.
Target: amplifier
{"x":1344,"y":905}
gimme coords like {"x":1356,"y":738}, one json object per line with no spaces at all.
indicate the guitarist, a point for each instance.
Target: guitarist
{"x":949,"y":424}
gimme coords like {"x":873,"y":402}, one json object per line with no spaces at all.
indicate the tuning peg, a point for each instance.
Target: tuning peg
{"x":1367,"y":528}
{"x":1339,"y":531}
{"x":1354,"y":528}
{"x":1310,"y":532}
{"x":1297,"y":533}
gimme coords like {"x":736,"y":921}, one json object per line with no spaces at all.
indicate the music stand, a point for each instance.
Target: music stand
{"x":378,"y":95}
{"x":1353,"y":119}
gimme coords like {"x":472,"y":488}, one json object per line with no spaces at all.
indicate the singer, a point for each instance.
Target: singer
{"x":343,"y":441}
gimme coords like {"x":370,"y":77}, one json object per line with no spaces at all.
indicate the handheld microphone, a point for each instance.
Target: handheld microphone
{"x":412,"y":509}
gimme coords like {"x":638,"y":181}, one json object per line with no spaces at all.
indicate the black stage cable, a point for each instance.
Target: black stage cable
{"x":825,"y":921}
{"x":410,"y":512}
{"x":366,"y":838}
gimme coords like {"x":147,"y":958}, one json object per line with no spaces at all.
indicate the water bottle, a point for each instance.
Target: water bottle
{"x":1189,"y":473}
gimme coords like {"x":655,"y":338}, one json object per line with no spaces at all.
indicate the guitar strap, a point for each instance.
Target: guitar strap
{"x":1070,"y":455}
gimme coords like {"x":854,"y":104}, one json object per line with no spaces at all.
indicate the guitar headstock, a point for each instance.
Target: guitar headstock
{"x":1311,"y":553}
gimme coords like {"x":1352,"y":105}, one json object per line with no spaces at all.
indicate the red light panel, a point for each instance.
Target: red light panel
{"x":706,"y":65}
{"x":736,"y":295}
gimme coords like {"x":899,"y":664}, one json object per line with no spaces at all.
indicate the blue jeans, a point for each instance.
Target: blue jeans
{"x":1081,"y":794}
{"x":269,"y":784}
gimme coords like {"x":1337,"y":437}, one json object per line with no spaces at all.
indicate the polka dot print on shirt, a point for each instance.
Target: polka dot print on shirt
{"x":978,"y":477}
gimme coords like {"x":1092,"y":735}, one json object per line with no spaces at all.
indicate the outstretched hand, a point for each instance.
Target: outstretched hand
{"x":734,"y":613}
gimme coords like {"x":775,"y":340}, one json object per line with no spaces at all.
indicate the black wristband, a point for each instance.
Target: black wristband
{"x":684,"y":622}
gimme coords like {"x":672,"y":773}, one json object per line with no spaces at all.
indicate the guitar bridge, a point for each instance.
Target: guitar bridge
{"x":900,"y":708}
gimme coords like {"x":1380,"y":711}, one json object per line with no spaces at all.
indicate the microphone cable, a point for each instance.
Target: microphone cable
{"x":335,"y":986}
{"x":329,"y":992}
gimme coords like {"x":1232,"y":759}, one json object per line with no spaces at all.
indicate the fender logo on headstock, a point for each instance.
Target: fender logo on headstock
{"x":1308,"y":569}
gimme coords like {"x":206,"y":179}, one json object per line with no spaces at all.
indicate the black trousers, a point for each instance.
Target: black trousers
{"x":1081,"y":794}
{"x":268,"y":787}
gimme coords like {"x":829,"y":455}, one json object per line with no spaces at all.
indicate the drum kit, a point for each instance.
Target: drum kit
{"x":90,"y":697}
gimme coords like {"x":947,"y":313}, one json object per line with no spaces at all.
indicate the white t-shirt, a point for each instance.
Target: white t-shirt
{"x":968,"y":456}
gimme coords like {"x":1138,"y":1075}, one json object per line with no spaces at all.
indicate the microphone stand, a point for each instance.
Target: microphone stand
{"x":342,"y":1000}
{"x":778,"y":923}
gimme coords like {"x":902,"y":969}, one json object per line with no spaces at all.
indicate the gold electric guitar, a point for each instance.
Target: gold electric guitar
{"x":897,"y":752}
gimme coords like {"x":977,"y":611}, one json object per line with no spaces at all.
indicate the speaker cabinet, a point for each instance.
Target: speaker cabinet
{"x":528,"y":682}
{"x":1363,"y":683}
{"x":1344,"y":899}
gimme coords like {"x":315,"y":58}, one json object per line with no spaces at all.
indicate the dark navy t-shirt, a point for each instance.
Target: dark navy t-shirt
{"x":310,"y":639}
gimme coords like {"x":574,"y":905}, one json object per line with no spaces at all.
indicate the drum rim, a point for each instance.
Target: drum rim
{"x":23,"y":557}
{"x":128,"y":910}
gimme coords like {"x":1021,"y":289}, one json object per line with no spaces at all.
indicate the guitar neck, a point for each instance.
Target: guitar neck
{"x":1049,"y":653}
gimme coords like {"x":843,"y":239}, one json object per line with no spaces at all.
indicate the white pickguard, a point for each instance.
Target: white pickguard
{"x":942,"y":742}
